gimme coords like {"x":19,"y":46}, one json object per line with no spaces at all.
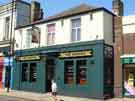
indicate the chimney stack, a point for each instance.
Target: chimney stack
{"x":36,"y":11}
{"x":118,"y":47}
{"x":118,"y":7}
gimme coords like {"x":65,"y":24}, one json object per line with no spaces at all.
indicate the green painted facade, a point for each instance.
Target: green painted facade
{"x":95,"y":86}
{"x":4,"y":50}
{"x":130,"y":60}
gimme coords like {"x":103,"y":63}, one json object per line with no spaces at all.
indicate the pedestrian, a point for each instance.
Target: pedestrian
{"x":54,"y":89}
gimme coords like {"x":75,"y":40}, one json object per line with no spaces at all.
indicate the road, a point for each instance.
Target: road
{"x":8,"y":98}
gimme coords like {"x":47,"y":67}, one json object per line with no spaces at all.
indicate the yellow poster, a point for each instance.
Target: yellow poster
{"x":131,"y":79}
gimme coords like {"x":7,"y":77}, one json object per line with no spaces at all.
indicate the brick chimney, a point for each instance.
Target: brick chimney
{"x":118,"y":47}
{"x":36,"y":11}
{"x":118,"y":7}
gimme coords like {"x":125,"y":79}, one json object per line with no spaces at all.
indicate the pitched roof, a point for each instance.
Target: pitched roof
{"x":71,"y":11}
{"x":81,"y":9}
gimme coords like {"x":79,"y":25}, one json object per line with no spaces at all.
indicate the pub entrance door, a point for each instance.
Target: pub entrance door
{"x":50,"y":72}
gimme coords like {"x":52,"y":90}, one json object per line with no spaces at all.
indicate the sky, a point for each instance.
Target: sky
{"x":52,"y":7}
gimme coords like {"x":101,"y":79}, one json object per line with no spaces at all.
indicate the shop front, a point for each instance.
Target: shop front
{"x":7,"y":72}
{"x":82,"y":69}
{"x":3,"y":53}
{"x":128,"y":62}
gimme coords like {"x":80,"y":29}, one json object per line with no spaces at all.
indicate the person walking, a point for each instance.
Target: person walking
{"x":54,"y":89}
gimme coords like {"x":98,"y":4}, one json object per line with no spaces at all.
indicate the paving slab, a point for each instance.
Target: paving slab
{"x":48,"y":96}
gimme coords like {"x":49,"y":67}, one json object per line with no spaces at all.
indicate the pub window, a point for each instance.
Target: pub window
{"x":68,"y":72}
{"x":33,"y":72}
{"x":25,"y":71}
{"x":81,"y":72}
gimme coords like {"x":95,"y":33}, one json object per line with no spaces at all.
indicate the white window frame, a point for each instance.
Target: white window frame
{"x":51,"y":35}
{"x":28,"y":38}
{"x":76,"y":39}
{"x":7,"y":28}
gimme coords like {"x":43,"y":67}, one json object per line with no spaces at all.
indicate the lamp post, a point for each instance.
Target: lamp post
{"x":10,"y":52}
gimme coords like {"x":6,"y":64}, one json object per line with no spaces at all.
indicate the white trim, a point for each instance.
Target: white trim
{"x":128,"y":56}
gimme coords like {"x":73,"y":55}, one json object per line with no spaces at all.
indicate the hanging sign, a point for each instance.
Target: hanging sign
{"x":35,"y":35}
{"x":24,"y":58}
{"x":76,"y":54}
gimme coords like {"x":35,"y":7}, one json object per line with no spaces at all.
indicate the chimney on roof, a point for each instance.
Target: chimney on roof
{"x":36,"y":11}
{"x":118,"y":46}
{"x":118,"y":7}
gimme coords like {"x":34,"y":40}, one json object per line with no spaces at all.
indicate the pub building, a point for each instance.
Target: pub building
{"x":82,"y":69}
{"x":73,"y":48}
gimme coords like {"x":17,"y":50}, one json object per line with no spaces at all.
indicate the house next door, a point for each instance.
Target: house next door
{"x":129,"y":80}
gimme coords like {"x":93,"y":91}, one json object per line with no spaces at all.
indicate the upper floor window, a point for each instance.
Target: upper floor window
{"x":50,"y":34}
{"x":28,"y":38}
{"x":7,"y":25}
{"x":91,"y":16}
{"x":76,"y":30}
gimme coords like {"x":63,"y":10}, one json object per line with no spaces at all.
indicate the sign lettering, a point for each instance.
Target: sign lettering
{"x":75,"y":54}
{"x":24,"y":58}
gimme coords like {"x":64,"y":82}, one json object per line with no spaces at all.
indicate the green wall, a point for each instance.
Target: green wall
{"x":38,"y":86}
{"x":93,"y":88}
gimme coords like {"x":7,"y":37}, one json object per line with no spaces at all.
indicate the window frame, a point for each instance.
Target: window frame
{"x":51,"y":35}
{"x":78,"y":70}
{"x":28,"y":38}
{"x":31,"y":73}
{"x":65,"y":71}
{"x":75,"y":70}
{"x":23,"y":74}
{"x":7,"y":28}
{"x":76,"y":39}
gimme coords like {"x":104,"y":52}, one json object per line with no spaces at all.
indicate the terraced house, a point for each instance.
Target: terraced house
{"x":12,"y":15}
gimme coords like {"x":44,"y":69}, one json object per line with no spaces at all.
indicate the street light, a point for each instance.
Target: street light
{"x":10,"y":52}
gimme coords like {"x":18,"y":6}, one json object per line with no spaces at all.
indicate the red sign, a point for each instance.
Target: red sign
{"x":1,"y":69}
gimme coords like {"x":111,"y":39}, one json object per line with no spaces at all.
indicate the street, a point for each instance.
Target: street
{"x":9,"y":98}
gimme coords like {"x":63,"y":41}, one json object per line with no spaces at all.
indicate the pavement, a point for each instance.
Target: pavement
{"x":7,"y":98}
{"x":47,"y":97}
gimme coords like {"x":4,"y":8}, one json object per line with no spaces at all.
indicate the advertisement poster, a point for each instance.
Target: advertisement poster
{"x":129,"y":85}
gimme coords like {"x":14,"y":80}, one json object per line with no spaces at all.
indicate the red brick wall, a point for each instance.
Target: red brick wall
{"x":129,"y":43}
{"x":118,"y":47}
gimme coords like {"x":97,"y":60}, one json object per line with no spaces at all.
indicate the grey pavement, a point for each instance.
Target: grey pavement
{"x":30,"y":96}
{"x":9,"y":98}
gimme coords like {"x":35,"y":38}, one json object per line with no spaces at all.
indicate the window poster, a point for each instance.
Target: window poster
{"x":129,"y":84}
